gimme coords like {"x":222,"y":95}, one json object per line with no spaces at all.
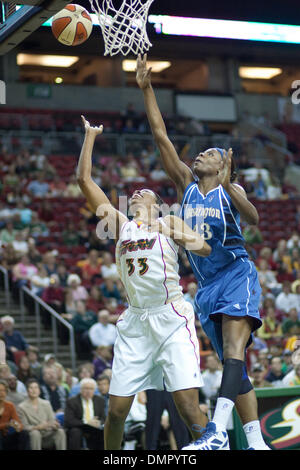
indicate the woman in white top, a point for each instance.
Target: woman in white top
{"x":156,"y":343}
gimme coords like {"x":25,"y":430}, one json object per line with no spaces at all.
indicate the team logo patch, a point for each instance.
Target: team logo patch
{"x":281,"y":427}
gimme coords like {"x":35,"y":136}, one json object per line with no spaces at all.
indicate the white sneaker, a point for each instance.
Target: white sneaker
{"x":210,"y":440}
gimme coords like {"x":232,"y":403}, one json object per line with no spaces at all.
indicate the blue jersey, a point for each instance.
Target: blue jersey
{"x":218,"y":220}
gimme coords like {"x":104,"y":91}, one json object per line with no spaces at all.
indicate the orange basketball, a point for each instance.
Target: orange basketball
{"x":72,"y":25}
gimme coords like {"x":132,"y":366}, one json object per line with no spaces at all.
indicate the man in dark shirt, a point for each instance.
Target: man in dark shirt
{"x":51,"y":391}
{"x":275,"y":374}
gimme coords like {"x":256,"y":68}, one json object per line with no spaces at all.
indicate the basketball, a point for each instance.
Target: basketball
{"x":72,"y":25}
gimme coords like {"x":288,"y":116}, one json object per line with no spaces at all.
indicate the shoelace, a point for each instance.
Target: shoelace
{"x":206,"y":435}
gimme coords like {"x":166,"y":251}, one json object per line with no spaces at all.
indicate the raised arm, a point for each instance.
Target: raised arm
{"x":178,"y":171}
{"x":182,"y":234}
{"x":97,"y":199}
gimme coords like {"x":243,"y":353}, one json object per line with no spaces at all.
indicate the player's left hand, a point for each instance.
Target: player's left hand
{"x":89,"y":129}
{"x":225,"y":173}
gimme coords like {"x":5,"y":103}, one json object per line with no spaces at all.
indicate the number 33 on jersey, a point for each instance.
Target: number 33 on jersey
{"x":148,"y":265}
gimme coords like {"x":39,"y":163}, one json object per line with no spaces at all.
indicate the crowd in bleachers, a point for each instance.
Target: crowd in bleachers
{"x":49,"y":244}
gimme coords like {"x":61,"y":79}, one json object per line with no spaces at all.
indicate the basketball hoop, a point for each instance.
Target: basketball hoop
{"x":123,"y":29}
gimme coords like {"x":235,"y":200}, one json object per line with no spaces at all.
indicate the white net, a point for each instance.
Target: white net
{"x":123,"y":28}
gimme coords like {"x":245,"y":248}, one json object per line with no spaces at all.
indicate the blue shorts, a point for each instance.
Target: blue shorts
{"x":234,"y":292}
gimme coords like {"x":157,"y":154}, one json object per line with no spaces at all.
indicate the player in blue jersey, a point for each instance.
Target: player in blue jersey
{"x":228,"y":295}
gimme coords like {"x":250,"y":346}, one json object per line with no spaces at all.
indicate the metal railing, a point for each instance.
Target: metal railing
{"x":55,"y":317}
{"x":5,"y":277}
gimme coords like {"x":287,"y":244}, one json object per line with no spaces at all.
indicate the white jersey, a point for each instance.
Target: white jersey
{"x":148,"y":266}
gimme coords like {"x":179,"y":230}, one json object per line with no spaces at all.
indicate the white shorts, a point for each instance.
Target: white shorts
{"x":155,"y":348}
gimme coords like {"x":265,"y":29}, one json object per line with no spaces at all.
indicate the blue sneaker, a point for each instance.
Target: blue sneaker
{"x":210,"y":440}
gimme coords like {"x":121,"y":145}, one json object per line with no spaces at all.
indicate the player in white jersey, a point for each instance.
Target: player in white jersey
{"x":156,"y":343}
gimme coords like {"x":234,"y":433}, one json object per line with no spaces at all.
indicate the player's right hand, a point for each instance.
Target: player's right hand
{"x":143,"y":75}
{"x":89,"y":129}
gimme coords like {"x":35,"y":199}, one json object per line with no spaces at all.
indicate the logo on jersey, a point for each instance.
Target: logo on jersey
{"x":281,"y":426}
{"x":201,"y":211}
{"x":128,"y":246}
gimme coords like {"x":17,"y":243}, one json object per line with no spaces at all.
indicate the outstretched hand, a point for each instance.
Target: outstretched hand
{"x":225,"y":173}
{"x":91,"y":130}
{"x":143,"y":75}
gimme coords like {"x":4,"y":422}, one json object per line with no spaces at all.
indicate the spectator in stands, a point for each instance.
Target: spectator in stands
{"x":72,"y":189}
{"x":109,"y":268}
{"x":70,"y":305}
{"x":295,"y":260}
{"x":291,"y":325}
{"x":252,"y":235}
{"x":263,"y":359}
{"x":69,"y":235}
{"x":24,"y":371}
{"x":257,"y":377}
{"x":6,"y":214}
{"x":6,"y":371}
{"x":287,"y":362}
{"x":57,"y":186}
{"x":78,"y":291}
{"x":95,"y":301}
{"x":13,"y":395}
{"x":54,"y":294}
{"x":286,"y":300}
{"x":267,"y":254}
{"x":212,"y":376}
{"x":292,"y":379}
{"x":114,"y":309}
{"x":32,"y":353}
{"x":39,"y":187}
{"x":51,"y":391}
{"x":46,"y":212}
{"x":83,"y":232}
{"x":110,"y":289}
{"x":266,"y":295}
{"x":39,"y":420}
{"x":82,"y":321}
{"x":271,"y":327}
{"x":8,"y":234}
{"x":91,"y":266}
{"x":20,"y":244}
{"x":40,"y":280}
{"x":84,"y":417}
{"x":25,"y":213}
{"x":102,"y":360}
{"x":158,"y":173}
{"x":63,"y":274}
{"x":260,"y":188}
{"x":191,"y":292}
{"x":274,"y":190}
{"x":12,"y":434}
{"x":103,"y":382}
{"x":85,"y":370}
{"x":275,"y":374}
{"x":11,"y":179}
{"x":130,"y":169}
{"x":37,"y":228}
{"x":9,"y":257}
{"x":281,"y":254}
{"x":14,"y":340}
{"x":49,"y":261}
{"x":102,"y":333}
{"x":294,"y":240}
